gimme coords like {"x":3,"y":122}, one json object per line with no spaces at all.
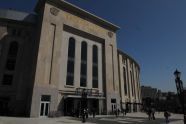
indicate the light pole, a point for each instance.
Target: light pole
{"x":179,"y":86}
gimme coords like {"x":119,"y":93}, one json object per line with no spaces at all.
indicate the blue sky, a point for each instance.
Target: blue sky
{"x":153,"y":32}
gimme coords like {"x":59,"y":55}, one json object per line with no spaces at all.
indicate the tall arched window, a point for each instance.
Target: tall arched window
{"x":11,"y":62}
{"x":13,"y":49}
{"x":125,"y":80}
{"x":83,"y":78}
{"x":12,"y":55}
{"x":70,"y":63}
{"x":95,"y":67}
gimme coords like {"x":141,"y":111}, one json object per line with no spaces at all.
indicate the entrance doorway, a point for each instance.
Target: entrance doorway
{"x":44,"y":105}
{"x":114,"y":105}
{"x":4,"y":110}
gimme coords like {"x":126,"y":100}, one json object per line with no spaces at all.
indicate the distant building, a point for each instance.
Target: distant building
{"x":152,"y":97}
{"x":50,"y":58}
{"x":147,"y":91}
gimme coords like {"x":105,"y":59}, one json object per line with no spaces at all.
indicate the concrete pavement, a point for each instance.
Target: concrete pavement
{"x":130,"y":118}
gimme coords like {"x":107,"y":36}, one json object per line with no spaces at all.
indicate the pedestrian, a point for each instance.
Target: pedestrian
{"x":87,"y":113}
{"x":123,"y":111}
{"x":83,"y":115}
{"x":93,"y":112}
{"x":166,"y":115}
{"x":149,"y":112}
{"x":153,"y":113}
{"x":118,"y":111}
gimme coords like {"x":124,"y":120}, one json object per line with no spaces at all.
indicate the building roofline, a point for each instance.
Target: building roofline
{"x":81,"y":12}
{"x":125,"y":54}
{"x":11,"y":14}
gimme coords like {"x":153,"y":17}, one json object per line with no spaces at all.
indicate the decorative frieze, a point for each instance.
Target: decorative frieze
{"x":54,"y":11}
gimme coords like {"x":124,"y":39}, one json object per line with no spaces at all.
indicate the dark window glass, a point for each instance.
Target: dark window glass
{"x":95,"y":54}
{"x":113,"y":100}
{"x":95,"y":71}
{"x":70,"y":67}
{"x":83,"y":81}
{"x":7,"y":79}
{"x":131,"y":83}
{"x":70,"y":79}
{"x":13,"y":49}
{"x":13,"y":32}
{"x":95,"y":67}
{"x":46,"y":109}
{"x":42,"y":109}
{"x":125,"y":81}
{"x":70,"y":63}
{"x":45,"y":98}
{"x":83,"y":69}
{"x":95,"y":83}
{"x":71,"y":48}
{"x":10,"y":64}
{"x":84,"y":51}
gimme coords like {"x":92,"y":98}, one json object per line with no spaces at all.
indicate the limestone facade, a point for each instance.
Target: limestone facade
{"x":50,"y":73}
{"x":129,"y":78}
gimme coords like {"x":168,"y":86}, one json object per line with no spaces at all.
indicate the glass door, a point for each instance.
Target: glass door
{"x":44,"y":108}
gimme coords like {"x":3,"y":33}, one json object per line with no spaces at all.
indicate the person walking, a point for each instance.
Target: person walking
{"x":93,"y":112}
{"x":149,"y":112}
{"x":84,"y":115}
{"x":153,"y":113}
{"x":118,"y":112}
{"x":166,"y":115}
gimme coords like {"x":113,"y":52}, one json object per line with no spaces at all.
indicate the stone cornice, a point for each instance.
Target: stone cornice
{"x":66,"y":6}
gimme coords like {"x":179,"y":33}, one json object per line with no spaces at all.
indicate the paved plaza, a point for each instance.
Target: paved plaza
{"x":130,"y":118}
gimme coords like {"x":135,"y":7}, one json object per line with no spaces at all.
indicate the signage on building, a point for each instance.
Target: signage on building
{"x":89,"y":92}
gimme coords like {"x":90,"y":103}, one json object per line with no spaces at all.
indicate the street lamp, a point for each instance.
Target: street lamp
{"x":179,"y":86}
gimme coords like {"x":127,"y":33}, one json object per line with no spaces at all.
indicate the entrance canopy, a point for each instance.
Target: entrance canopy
{"x":88,"y":97}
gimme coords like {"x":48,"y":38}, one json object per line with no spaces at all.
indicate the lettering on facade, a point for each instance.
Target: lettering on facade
{"x":89,"y":92}
{"x":54,"y":11}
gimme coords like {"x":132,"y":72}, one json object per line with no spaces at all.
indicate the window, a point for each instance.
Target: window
{"x":45,"y":98}
{"x":70,"y":62}
{"x":7,"y":79}
{"x":83,"y":78}
{"x":10,"y":64}
{"x":95,"y":54}
{"x":71,"y":48}
{"x":84,"y":51}
{"x":13,"y":49}
{"x":125,"y":81}
{"x":95,"y":67}
{"x":113,"y":100}
{"x":132,"y":83}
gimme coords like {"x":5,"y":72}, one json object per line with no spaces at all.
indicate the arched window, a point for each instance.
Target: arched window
{"x":11,"y":62}
{"x":84,"y":51}
{"x":125,"y":80}
{"x":71,"y":48}
{"x":95,"y":67}
{"x":12,"y":55}
{"x":13,"y":49}
{"x":70,"y":63}
{"x":83,"y":78}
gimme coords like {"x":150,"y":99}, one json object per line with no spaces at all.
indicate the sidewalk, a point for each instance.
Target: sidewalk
{"x":72,"y":120}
